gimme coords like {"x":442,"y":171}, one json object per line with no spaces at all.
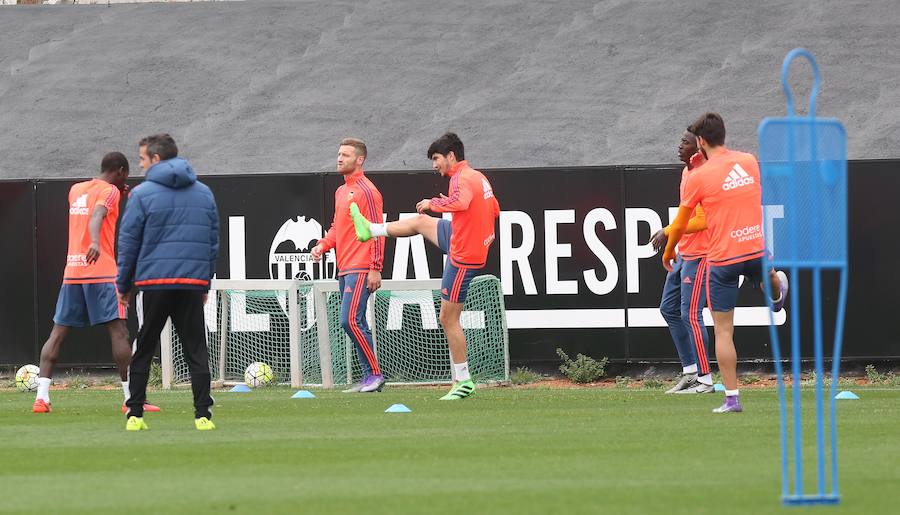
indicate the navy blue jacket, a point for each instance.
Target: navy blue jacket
{"x":169,"y":235}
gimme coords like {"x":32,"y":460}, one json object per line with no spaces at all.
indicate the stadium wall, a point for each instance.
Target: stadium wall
{"x":572,"y":252}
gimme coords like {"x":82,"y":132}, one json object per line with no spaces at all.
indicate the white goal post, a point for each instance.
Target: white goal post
{"x":294,"y":327}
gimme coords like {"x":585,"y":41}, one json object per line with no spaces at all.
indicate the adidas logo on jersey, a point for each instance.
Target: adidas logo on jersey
{"x":486,"y":188}
{"x":79,"y":207}
{"x":736,"y":178}
{"x":687,"y":280}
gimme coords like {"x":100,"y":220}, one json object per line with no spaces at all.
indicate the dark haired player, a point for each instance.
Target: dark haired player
{"x":466,"y":241}
{"x":728,"y":187}
{"x":88,"y":293}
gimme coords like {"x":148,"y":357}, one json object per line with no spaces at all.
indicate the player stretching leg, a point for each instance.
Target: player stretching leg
{"x":466,"y":241}
{"x":88,"y":293}
{"x":684,"y":292}
{"x":728,"y":187}
{"x":359,"y":263}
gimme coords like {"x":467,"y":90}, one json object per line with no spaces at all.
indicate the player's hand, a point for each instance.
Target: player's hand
{"x":124,"y":298}
{"x":93,"y":253}
{"x":668,"y":260}
{"x":317,"y":252}
{"x":374,"y":280}
{"x":423,"y":205}
{"x":659,"y":240}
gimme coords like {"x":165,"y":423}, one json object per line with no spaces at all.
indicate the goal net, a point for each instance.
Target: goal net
{"x":295,"y":328}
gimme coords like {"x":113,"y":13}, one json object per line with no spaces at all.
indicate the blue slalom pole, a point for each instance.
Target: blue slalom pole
{"x":835,"y":370}
{"x":779,"y":379}
{"x":820,"y":372}
{"x":795,"y":387}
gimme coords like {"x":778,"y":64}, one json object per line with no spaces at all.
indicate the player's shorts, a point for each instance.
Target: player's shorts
{"x":456,"y":279}
{"x":724,"y":282}
{"x":82,"y":305}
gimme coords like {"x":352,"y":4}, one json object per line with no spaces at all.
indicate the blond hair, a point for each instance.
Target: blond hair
{"x":357,"y":144}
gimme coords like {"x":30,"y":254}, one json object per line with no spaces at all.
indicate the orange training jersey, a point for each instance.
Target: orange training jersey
{"x":694,"y":245}
{"x":474,"y":206}
{"x":728,"y":186}
{"x":354,"y":256}
{"x":84,"y":197}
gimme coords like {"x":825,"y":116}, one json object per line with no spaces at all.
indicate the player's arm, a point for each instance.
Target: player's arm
{"x":459,"y":200}
{"x":109,"y":199}
{"x":676,"y":231}
{"x":213,"y":239}
{"x":376,"y":215}
{"x":131,"y":234}
{"x":697,"y":223}
{"x":329,"y":241}
{"x":325,"y":244}
{"x":94,"y":225}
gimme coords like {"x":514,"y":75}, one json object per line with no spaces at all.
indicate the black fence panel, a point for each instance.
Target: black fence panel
{"x":572,"y":250}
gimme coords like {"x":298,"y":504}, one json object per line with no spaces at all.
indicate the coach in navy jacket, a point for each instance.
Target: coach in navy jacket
{"x":168,"y":245}
{"x":169,"y":235}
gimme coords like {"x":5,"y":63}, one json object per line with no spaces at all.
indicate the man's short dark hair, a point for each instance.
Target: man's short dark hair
{"x":445,"y":144}
{"x":710,"y":127}
{"x":162,"y":145}
{"x":113,"y":161}
{"x":357,"y":144}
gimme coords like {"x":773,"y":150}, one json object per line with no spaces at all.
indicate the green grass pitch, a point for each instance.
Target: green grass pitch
{"x":506,"y":450}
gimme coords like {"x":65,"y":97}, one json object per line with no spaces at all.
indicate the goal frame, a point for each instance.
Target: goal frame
{"x":320,"y":290}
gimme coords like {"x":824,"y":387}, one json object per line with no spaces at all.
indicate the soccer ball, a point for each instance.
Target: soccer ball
{"x":27,"y":378}
{"x":258,"y":374}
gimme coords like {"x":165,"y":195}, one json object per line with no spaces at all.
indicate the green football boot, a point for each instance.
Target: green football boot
{"x":136,"y":424}
{"x":204,"y":424}
{"x":460,"y":390}
{"x":360,"y":224}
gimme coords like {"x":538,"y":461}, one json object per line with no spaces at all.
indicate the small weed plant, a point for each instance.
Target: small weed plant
{"x":653,"y":383}
{"x":77,"y":382}
{"x":749,"y":379}
{"x":881,"y":378}
{"x":583,"y":369}
{"x":623,"y":382}
{"x":524,"y":375}
{"x":155,"y":379}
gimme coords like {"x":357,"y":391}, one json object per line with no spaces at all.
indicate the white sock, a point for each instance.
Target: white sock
{"x":705,"y":379}
{"x":378,"y":229}
{"x":690,"y":369}
{"x":43,"y":392}
{"x":462,"y":371}
{"x":126,"y":390}
{"x":731,"y":393}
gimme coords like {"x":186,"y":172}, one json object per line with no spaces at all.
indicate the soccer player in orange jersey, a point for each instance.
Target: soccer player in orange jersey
{"x":359,"y":263}
{"x":466,"y":241}
{"x":88,"y":293}
{"x":728,"y":187}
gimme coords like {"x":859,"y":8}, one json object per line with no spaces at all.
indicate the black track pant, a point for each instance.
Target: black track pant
{"x":185,"y":307}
